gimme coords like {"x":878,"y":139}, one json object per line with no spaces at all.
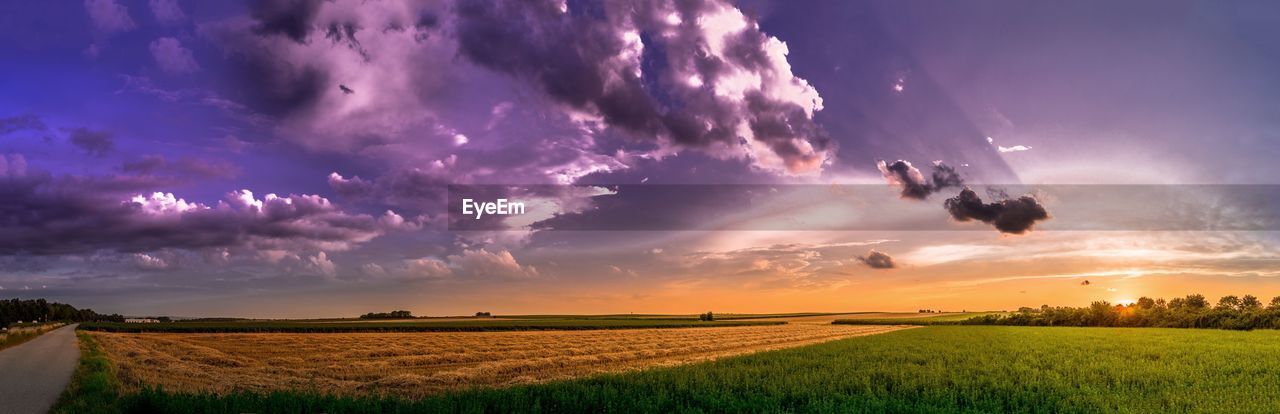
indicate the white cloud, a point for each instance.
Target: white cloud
{"x":426,"y":268}
{"x":148,"y":262}
{"x":321,"y":265}
{"x":1003,"y":149}
{"x":482,"y":263}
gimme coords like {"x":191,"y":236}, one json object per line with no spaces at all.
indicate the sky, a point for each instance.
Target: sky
{"x":298,"y":158}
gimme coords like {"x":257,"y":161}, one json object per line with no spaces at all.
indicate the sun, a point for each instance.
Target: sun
{"x":1126,"y":301}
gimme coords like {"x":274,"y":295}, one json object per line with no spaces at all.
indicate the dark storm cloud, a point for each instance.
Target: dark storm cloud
{"x":186,"y":166}
{"x":913,"y":183}
{"x":43,"y":214}
{"x":343,"y":33}
{"x":277,"y":87}
{"x":268,"y":80}
{"x":26,"y":122}
{"x":945,"y":176}
{"x":1014,"y":216}
{"x":562,"y":55}
{"x":95,"y":143}
{"x":642,"y":71}
{"x":290,"y":18}
{"x":877,"y":260}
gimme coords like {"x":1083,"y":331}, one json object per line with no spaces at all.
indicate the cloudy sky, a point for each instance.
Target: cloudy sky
{"x":292,"y":158}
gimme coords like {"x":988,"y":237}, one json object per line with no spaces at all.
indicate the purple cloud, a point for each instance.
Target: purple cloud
{"x":731,"y":82}
{"x":186,"y":166}
{"x":171,"y":57}
{"x":46,"y":214}
{"x":108,"y":16}
{"x":18,"y":123}
{"x":914,"y":184}
{"x":13,"y":165}
{"x":740,"y":101}
{"x":167,"y":12}
{"x":482,"y":263}
{"x":93,"y":142}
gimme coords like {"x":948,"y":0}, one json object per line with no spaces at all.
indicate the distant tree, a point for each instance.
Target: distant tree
{"x":1229,"y":302}
{"x":483,"y":314}
{"x":28,"y":310}
{"x":1250,"y":303}
{"x":1196,"y":301}
{"x":1192,"y":311}
{"x":400,"y":314}
{"x":707,"y":317}
{"x":1101,"y":313}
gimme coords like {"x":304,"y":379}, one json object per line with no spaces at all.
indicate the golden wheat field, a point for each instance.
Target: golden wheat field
{"x":417,"y":364}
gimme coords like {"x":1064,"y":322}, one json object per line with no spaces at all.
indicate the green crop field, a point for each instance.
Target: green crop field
{"x":414,"y":326}
{"x":940,"y":369}
{"x":953,"y":319}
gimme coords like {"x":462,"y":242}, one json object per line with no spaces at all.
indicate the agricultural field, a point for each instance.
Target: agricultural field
{"x":928,"y":369}
{"x":425,"y":325}
{"x":921,"y":319}
{"x":419,"y":364}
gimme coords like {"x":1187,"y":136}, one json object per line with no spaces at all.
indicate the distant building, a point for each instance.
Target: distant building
{"x":141,"y":320}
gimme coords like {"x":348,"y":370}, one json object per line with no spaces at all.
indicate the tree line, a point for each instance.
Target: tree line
{"x":1192,"y":311}
{"x":40,"y":310}
{"x":399,"y":314}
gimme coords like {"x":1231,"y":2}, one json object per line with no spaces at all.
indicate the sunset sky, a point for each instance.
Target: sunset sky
{"x":291,"y":158}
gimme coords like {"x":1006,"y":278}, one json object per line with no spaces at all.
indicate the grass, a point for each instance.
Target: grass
{"x":941,"y":369}
{"x":952,"y":319}
{"x":94,"y":387}
{"x":20,"y":333}
{"x":476,"y":325}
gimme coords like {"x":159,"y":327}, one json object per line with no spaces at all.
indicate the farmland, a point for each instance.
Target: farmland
{"x":930,"y":369}
{"x":417,"y":364}
{"x":903,"y":319}
{"x":426,"y":325}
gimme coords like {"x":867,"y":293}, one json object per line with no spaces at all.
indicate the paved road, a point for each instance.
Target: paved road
{"x":33,"y":375}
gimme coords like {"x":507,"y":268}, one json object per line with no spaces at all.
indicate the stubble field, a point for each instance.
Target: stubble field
{"x":420,"y":364}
